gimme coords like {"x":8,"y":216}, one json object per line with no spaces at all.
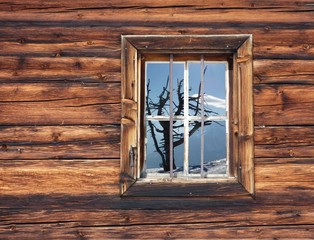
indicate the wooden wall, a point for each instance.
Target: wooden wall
{"x":60,"y":113}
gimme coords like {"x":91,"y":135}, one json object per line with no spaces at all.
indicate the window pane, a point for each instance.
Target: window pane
{"x":178,"y":146}
{"x":194,"y":69}
{"x":195,"y":147}
{"x":215,"y":147}
{"x":214,"y":88}
{"x":178,"y":88}
{"x":157,"y":88}
{"x":156,"y":132}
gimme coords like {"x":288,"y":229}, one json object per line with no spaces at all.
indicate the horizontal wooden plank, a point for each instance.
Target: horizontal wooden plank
{"x":89,"y":48}
{"x":290,"y":193}
{"x":167,"y":189}
{"x":285,"y":170}
{"x":16,"y":5}
{"x":58,"y":134}
{"x":284,"y":141}
{"x":33,"y":69}
{"x":178,"y":15}
{"x":90,"y":93}
{"x":187,"y":43}
{"x":284,"y":136}
{"x":80,"y":41}
{"x":73,"y":177}
{"x":284,"y":71}
{"x":284,"y":114}
{"x":283,"y":94}
{"x":250,"y":215}
{"x":61,"y":142}
{"x":59,"y":112}
{"x":182,"y":231}
{"x":79,"y":64}
{"x":270,"y":151}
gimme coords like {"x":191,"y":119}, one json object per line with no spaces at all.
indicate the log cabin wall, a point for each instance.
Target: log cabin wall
{"x":60,"y":108}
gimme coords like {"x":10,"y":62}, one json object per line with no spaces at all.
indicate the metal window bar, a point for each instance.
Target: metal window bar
{"x":186,"y":121}
{"x":202,"y":115}
{"x":171,"y":115}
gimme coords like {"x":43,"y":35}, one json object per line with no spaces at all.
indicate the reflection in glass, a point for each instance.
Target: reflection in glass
{"x":194,"y":147}
{"x":215,"y":148}
{"x":214,"y":89}
{"x":158,"y":129}
{"x":178,"y":146}
{"x":157,"y":146}
{"x":157,"y":88}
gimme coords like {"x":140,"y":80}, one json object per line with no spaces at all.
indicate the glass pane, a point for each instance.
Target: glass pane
{"x":178,"y":146}
{"x":157,"y":88}
{"x":215,"y":147}
{"x":157,"y":146}
{"x":194,"y":69}
{"x":215,"y":89}
{"x":195,"y":147}
{"x":178,"y":88}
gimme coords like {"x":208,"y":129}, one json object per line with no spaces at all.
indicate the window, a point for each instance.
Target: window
{"x":186,"y":122}
{"x":187,"y":125}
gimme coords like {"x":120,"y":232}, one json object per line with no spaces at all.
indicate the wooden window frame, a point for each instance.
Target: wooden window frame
{"x":137,"y":47}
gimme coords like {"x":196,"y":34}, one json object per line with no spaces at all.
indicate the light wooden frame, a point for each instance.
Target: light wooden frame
{"x":241,"y":120}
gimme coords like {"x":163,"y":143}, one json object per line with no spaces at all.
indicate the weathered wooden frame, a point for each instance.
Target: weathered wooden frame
{"x":241,"y":120}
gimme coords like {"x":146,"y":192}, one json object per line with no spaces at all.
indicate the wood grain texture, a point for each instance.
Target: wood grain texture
{"x":255,"y":215}
{"x":283,"y":105}
{"x":59,"y":112}
{"x":31,"y":177}
{"x":59,"y":142}
{"x":17,"y":5}
{"x":201,"y":231}
{"x":174,"y":15}
{"x":284,"y":136}
{"x":223,"y":190}
{"x":60,"y":94}
{"x":284,"y":71}
{"x":285,"y":170}
{"x":49,"y":92}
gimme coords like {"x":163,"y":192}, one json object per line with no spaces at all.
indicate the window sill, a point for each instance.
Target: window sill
{"x":176,"y":189}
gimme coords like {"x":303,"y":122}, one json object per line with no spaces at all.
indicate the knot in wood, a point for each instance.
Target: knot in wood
{"x":306,"y":47}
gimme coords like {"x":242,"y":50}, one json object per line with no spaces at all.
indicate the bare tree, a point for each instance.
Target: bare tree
{"x":163,"y":145}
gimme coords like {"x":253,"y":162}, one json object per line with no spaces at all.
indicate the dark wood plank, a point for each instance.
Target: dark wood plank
{"x":284,"y":136}
{"x":284,"y":142}
{"x":43,"y":177}
{"x":75,"y":49}
{"x":174,"y":189}
{"x":59,"y":112}
{"x":245,"y":122}
{"x":59,"y":142}
{"x":285,"y":193}
{"x":253,"y":215}
{"x":284,"y":71}
{"x":18,"y":5}
{"x":81,"y":40}
{"x":90,"y":93}
{"x":285,"y":170}
{"x":200,"y":231}
{"x":175,"y":15}
{"x":292,"y":114}
{"x":34,"y":69}
{"x":265,"y":95}
{"x":187,"y":43}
